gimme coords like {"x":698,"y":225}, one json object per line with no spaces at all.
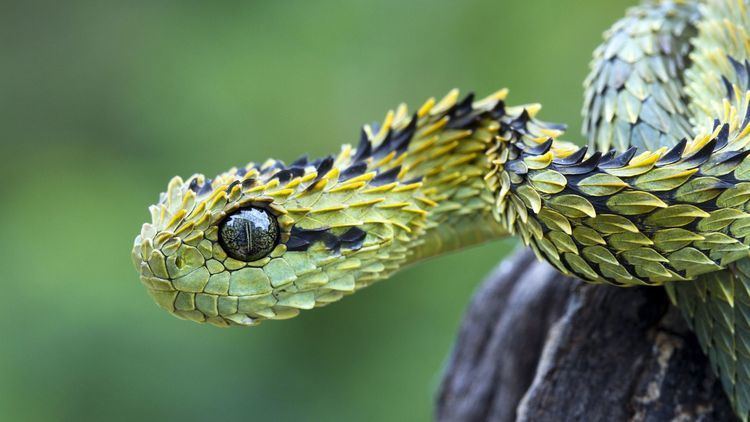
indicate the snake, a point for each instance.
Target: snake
{"x":657,"y":197}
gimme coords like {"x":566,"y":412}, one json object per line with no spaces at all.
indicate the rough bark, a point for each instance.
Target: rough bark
{"x":537,"y":346}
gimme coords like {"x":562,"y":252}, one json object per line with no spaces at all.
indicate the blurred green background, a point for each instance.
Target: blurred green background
{"x":102,"y":102}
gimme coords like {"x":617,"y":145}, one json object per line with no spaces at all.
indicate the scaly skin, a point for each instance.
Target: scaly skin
{"x":412,"y":189}
{"x":716,"y":304}
{"x":460,"y":172}
{"x":635,"y":92}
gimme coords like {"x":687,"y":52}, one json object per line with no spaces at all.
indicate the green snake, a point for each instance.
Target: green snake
{"x":658,"y":197}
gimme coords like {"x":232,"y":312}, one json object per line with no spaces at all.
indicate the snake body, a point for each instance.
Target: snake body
{"x":659,"y":196}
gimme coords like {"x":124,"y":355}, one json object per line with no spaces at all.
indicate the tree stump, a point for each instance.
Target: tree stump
{"x":538,"y":346}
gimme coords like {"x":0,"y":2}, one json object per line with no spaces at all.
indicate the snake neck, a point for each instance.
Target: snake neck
{"x":466,"y":155}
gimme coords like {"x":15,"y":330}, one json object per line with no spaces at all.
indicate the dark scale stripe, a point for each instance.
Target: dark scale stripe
{"x":301,"y":240}
{"x":193,"y":186}
{"x":403,"y":137}
{"x":576,"y":157}
{"x":332,"y":242}
{"x":742,"y":70}
{"x":746,"y":120}
{"x":462,"y":115}
{"x":353,"y":171}
{"x":384,"y":147}
{"x":584,"y":167}
{"x":468,"y":121}
{"x":519,"y":123}
{"x":674,"y":155}
{"x":731,"y":158}
{"x":353,"y":238}
{"x":722,"y":139}
{"x":540,"y":149}
{"x":288,"y":174}
{"x":723,"y":184}
{"x":701,"y":156}
{"x":386,"y":177}
{"x":716,"y":124}
{"x":461,"y":108}
{"x":206,"y":188}
{"x":397,"y":141}
{"x":729,"y":178}
{"x":322,"y":167}
{"x":504,"y":128}
{"x":295,"y":244}
{"x":248,"y":183}
{"x":364,"y":148}
{"x":728,"y":87}
{"x":619,"y":161}
{"x":417,"y":179}
{"x":607,"y":156}
{"x":231,"y":185}
{"x":516,"y":128}
{"x":323,"y":164}
{"x":498,"y":111}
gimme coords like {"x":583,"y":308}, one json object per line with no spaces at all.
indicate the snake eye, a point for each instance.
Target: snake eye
{"x":249,"y":234}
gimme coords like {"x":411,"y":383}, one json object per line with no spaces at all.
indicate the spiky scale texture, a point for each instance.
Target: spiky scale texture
{"x":716,"y":304}
{"x":461,"y":172}
{"x":718,"y":307}
{"x":627,"y":219}
{"x":345,"y":221}
{"x":622,"y":218}
{"x":634,"y":94}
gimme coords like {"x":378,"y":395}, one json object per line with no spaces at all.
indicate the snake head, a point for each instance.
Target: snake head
{"x":264,"y":242}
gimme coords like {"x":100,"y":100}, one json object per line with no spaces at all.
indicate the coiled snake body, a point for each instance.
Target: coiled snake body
{"x":659,"y":196}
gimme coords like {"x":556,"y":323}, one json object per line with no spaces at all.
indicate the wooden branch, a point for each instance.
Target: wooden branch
{"x":537,"y":346}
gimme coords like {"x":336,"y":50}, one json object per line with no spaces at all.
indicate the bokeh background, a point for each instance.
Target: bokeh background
{"x":102,"y":102}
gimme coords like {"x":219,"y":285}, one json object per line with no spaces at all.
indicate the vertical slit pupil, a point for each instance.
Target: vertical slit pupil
{"x":249,"y":234}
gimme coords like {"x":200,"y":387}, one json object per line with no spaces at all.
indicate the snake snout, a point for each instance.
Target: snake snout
{"x":168,"y":268}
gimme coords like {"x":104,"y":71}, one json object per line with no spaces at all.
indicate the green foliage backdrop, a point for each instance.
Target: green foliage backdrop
{"x":102,"y":102}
